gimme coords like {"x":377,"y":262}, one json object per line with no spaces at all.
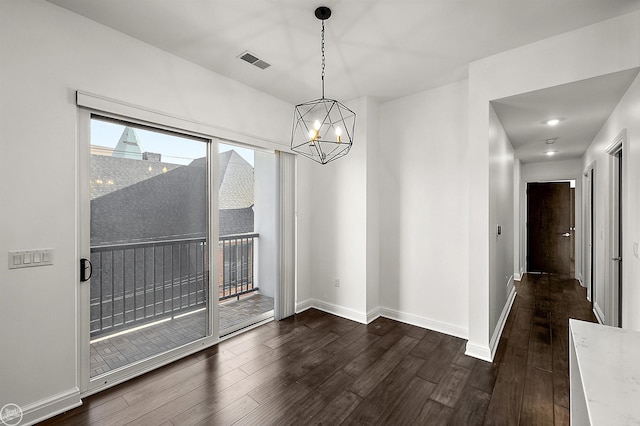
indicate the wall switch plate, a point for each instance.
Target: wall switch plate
{"x":30,"y":258}
{"x":337,"y":282}
{"x":635,"y":249}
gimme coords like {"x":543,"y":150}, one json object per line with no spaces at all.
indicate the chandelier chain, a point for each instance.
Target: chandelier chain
{"x":323,"y":65}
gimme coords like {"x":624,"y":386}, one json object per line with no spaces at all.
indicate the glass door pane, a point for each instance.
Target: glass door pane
{"x":247,"y":247}
{"x":148,"y":232}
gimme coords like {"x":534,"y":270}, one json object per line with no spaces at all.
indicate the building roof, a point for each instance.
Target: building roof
{"x":168,"y":206}
{"x":109,"y":174}
{"x":172,"y":204}
{"x":236,"y":181}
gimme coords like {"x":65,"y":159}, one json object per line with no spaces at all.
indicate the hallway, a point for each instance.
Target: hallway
{"x":317,"y":368}
{"x":532,"y":385}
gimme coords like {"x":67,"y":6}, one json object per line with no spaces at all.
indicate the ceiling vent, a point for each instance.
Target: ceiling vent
{"x":254,"y":60}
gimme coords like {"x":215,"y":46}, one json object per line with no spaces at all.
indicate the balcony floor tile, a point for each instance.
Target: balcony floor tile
{"x":113,"y":353}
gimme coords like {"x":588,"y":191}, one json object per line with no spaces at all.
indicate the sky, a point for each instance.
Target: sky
{"x":174,"y":149}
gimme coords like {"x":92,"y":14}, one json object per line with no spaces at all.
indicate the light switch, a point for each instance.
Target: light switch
{"x":30,"y":258}
{"x":635,"y":249}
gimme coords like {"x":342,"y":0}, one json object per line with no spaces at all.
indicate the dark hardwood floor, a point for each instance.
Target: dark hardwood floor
{"x":317,"y":368}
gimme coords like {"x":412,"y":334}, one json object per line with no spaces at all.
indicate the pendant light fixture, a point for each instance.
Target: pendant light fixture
{"x":323,"y":128}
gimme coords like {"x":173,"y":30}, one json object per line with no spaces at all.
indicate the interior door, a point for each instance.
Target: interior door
{"x":549,"y":225}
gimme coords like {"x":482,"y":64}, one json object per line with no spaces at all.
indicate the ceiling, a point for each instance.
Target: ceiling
{"x":380,"y":48}
{"x":582,"y":108}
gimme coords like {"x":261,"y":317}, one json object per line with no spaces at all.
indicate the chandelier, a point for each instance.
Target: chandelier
{"x":323,"y":128}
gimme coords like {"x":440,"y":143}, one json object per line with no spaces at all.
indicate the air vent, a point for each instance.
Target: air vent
{"x":254,"y":60}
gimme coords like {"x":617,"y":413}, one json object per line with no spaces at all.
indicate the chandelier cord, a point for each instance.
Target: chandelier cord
{"x":323,"y":65}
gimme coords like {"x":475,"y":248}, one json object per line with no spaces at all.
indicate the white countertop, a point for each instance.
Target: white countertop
{"x":609,"y":363}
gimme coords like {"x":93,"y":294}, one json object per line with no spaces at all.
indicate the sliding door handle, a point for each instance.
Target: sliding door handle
{"x":617,"y":259}
{"x":85,"y":265}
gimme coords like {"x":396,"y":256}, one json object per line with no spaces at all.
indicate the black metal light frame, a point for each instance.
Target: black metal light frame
{"x":323,"y":129}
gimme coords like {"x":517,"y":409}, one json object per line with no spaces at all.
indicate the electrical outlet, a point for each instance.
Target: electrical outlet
{"x":337,"y":282}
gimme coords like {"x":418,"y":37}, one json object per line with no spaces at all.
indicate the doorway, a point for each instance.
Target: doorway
{"x":550,"y":227}
{"x":247,"y":212}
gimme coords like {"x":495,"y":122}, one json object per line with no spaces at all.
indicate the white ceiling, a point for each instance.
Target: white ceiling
{"x":380,"y":48}
{"x":582,"y":107}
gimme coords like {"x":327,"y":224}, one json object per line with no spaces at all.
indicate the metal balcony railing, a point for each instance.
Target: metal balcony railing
{"x":236,"y":261}
{"x":134,"y":284}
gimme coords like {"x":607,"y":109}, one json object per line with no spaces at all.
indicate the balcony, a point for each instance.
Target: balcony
{"x":147,"y":298}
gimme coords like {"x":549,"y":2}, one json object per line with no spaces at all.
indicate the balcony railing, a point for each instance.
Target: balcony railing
{"x":134,"y":284}
{"x":236,"y":258}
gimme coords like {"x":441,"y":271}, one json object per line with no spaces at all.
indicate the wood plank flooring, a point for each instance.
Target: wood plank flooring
{"x":316,"y":368}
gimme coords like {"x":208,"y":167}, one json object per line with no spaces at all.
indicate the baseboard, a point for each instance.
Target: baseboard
{"x":495,"y":338}
{"x":598,"y":313}
{"x":340,"y":311}
{"x":373,"y":314}
{"x":482,"y":352}
{"x":404,"y":317}
{"x":49,"y":407}
{"x":427,"y":323}
{"x":304,"y":305}
{"x":487,"y":352}
{"x":517,"y":276}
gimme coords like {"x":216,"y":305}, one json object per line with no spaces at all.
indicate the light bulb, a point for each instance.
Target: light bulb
{"x":338,"y":134}
{"x":316,"y":125}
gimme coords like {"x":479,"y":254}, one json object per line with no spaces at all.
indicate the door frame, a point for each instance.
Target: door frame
{"x":616,"y":214}
{"x":590,"y":232}
{"x":86,"y":384}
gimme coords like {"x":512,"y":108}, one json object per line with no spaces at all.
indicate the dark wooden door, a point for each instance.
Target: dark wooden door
{"x":549,"y":227}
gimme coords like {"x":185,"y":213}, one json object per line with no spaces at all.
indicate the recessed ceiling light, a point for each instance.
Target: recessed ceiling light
{"x":550,"y":153}
{"x":552,"y":122}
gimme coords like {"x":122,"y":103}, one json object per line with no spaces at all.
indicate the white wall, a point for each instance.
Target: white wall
{"x":545,"y":172}
{"x":424,"y":209}
{"x":625,"y":116}
{"x":46,"y":54}
{"x":606,"y":47}
{"x":501,"y":213}
{"x":336,"y":220}
{"x":304,"y":282}
{"x":373,"y":208}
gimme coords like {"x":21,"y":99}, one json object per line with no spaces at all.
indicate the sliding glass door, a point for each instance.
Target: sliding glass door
{"x":247,"y":267}
{"x":149,"y":288}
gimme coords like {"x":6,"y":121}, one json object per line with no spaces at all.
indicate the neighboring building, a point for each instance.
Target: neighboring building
{"x":129,"y":145}
{"x":136,"y":200}
{"x":235,"y":194}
